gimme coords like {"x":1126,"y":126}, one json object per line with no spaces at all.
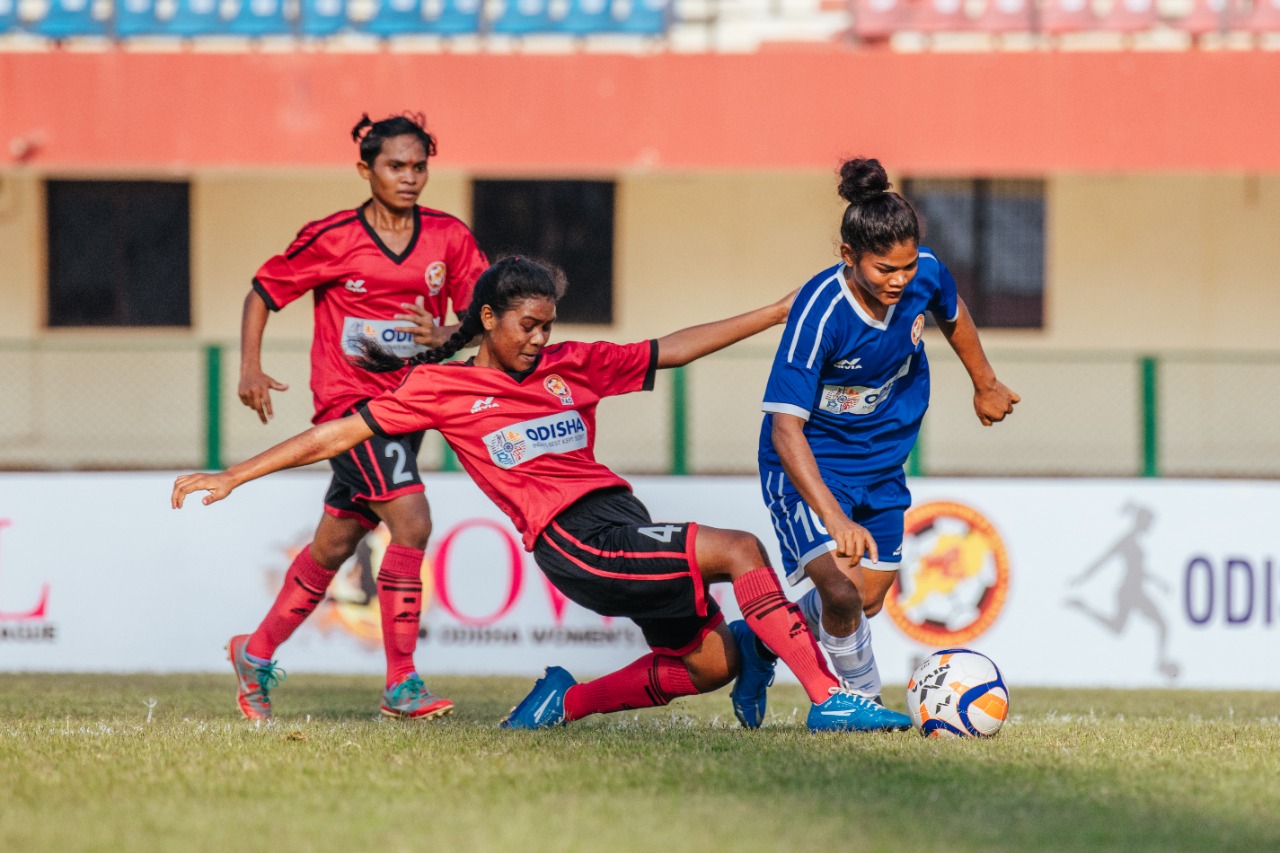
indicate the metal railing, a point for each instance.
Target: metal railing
{"x":164,"y":404}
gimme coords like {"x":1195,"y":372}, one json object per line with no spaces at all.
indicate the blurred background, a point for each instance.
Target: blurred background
{"x":1103,"y":178}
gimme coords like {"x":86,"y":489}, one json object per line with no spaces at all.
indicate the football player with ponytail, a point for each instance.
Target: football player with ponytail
{"x":843,"y":406}
{"x":532,"y":452}
{"x":387,"y":270}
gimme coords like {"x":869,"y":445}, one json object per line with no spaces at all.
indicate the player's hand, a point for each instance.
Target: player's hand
{"x":255,"y":392}
{"x":425,"y":331}
{"x":217,"y":485}
{"x":993,"y":402}
{"x":852,"y":540}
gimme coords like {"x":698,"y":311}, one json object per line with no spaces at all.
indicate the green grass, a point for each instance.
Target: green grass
{"x":81,"y":768}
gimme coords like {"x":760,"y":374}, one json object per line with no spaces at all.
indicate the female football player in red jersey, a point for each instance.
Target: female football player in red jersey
{"x":385,"y":271}
{"x":532,"y":453}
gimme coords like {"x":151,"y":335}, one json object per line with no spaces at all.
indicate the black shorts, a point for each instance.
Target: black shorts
{"x":605,"y":553}
{"x":380,"y":469}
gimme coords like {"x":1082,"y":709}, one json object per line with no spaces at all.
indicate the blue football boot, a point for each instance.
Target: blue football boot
{"x":755,"y":675}
{"x":544,"y":706}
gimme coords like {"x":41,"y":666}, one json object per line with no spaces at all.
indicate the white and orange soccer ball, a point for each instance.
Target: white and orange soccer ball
{"x":957,"y":693}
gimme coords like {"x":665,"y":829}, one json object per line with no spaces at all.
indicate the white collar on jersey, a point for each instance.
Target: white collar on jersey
{"x":857,"y":307}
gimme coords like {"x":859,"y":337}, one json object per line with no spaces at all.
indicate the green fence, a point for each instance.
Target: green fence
{"x":126,"y":403}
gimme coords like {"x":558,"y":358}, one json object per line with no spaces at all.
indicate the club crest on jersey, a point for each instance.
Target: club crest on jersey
{"x":559,"y":388}
{"x":435,"y":274}
{"x":558,"y":433}
{"x":917,"y":329}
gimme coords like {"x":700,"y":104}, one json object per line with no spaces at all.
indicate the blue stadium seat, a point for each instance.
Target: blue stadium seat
{"x":136,"y":18}
{"x":521,"y":17}
{"x":193,"y":18}
{"x":584,"y":17}
{"x":321,"y":18}
{"x":646,"y":18}
{"x":8,"y":16}
{"x":396,"y":18}
{"x":67,"y":18}
{"x":453,"y":17}
{"x":259,"y":18}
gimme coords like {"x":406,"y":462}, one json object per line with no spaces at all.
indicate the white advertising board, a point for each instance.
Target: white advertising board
{"x":1062,"y":582}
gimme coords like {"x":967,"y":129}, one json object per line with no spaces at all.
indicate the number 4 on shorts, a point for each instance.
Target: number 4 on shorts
{"x":663,"y":533}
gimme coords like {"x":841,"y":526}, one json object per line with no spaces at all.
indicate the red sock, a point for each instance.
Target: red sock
{"x":651,"y":681}
{"x":303,"y":590}
{"x":780,"y":626}
{"x":400,"y":598}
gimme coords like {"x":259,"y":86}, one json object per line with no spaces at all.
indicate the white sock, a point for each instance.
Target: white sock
{"x":853,"y":658}
{"x":811,"y":608}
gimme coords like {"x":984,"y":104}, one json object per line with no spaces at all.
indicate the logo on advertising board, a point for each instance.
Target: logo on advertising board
{"x":1133,"y":596}
{"x":435,"y":276}
{"x":25,"y":625}
{"x":954,"y":577}
{"x":475,"y":559}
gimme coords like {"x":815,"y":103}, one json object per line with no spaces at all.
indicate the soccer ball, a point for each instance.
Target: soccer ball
{"x":957,"y":693}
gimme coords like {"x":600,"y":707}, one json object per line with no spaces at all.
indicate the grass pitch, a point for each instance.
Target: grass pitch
{"x":165,"y":763}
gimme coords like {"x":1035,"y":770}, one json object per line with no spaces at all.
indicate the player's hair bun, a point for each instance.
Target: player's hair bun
{"x":862,"y":179}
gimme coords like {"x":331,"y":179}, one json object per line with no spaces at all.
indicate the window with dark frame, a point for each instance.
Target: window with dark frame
{"x":990,"y":234}
{"x":119,"y":253}
{"x":569,"y":223}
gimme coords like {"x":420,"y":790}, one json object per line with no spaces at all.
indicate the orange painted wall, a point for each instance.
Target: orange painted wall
{"x":929,"y":113}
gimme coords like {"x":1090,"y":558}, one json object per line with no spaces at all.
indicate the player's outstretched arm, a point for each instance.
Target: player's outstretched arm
{"x":679,"y":348}
{"x":320,"y":442}
{"x":255,"y":386}
{"x":992,"y":400}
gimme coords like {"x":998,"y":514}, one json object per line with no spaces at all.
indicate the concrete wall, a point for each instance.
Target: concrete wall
{"x":1135,"y":263}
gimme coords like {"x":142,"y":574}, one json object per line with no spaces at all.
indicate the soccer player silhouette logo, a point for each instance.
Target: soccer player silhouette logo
{"x":1132,"y":595}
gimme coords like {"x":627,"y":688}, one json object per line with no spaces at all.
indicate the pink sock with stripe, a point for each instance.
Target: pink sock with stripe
{"x":304,"y":587}
{"x":649,"y":682}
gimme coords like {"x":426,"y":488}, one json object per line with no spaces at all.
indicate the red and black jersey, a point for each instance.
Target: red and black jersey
{"x":358,"y":285}
{"x":528,"y":442}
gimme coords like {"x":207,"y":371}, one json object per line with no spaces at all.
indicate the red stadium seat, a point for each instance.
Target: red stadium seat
{"x":877,"y":20}
{"x":940,"y":16}
{"x":1263,"y":18}
{"x":1005,"y":16}
{"x":1130,"y":16}
{"x":1206,"y":16}
{"x":1067,"y":16}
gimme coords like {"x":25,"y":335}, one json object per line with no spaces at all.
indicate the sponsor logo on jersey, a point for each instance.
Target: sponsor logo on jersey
{"x":435,"y":275}
{"x":858,"y":399}
{"x":517,"y":443}
{"x":559,"y":388}
{"x":385,"y":332}
{"x":917,"y":329}
{"x":848,"y":364}
{"x":481,"y":405}
{"x":954,"y":577}
{"x":355,"y":285}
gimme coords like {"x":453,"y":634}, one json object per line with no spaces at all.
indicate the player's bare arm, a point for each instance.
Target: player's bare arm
{"x":992,"y":399}
{"x":852,"y":539}
{"x":255,"y":386}
{"x":322,"y":441}
{"x":679,"y":348}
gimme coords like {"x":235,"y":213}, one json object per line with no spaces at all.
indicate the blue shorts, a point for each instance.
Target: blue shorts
{"x":879,"y":507}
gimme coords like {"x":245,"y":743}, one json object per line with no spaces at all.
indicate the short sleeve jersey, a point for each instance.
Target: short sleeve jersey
{"x":861,"y":385}
{"x":358,"y":285}
{"x":528,"y":441}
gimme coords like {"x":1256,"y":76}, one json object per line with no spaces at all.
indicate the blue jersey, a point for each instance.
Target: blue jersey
{"x":861,"y":385}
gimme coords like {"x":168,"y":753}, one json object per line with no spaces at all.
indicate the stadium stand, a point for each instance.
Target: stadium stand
{"x":1130,"y":16}
{"x":322,"y":18}
{"x":8,"y":16}
{"x":641,"y":17}
{"x":523,"y":17}
{"x":877,"y":20}
{"x":1058,"y":17}
{"x":1206,"y":16}
{"x":453,"y":17}
{"x":192,"y":19}
{"x":65,"y":19}
{"x":396,"y":18}
{"x":257,"y":18}
{"x":1264,"y":17}
{"x":940,"y":16}
{"x":1006,"y":16}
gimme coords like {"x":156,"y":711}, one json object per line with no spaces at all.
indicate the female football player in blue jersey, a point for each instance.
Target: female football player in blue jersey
{"x":843,"y":406}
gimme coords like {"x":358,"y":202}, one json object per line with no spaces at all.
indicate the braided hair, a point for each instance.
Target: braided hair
{"x":876,"y":219}
{"x":371,"y":134}
{"x":501,"y":287}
